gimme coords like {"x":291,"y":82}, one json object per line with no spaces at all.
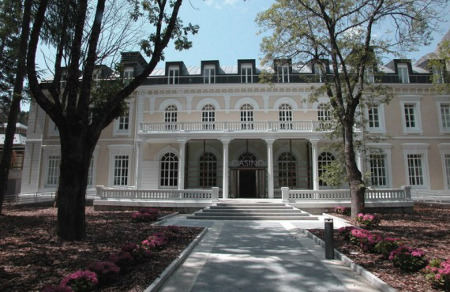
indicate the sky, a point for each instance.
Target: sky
{"x":228,"y":32}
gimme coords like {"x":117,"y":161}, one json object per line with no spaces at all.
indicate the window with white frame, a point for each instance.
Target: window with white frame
{"x":324,"y":159}
{"x":415,"y":169}
{"x":403,"y":74}
{"x":378,"y":170}
{"x":246,"y":117}
{"x":174,"y":75}
{"x":285,"y":116}
{"x":323,"y":112}
{"x":171,"y":117}
{"x":416,"y":164}
{"x":438,"y":73}
{"x":208,"y":117}
{"x":247,"y":73}
{"x":121,"y":170}
{"x":283,"y":74}
{"x":444,"y":111}
{"x":169,"y":171}
{"x":209,"y":74}
{"x":447,"y":169}
{"x":208,"y":170}
{"x":53,"y":164}
{"x":369,"y":75}
{"x":318,"y":71}
{"x":411,"y":117}
{"x":374,"y":116}
{"x":128,"y":74}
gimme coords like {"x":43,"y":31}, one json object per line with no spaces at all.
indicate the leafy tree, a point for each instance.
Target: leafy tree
{"x":14,"y":47}
{"x":78,"y":110}
{"x":342,"y":32}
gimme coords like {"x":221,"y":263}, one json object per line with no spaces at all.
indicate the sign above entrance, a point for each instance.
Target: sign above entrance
{"x":247,"y":163}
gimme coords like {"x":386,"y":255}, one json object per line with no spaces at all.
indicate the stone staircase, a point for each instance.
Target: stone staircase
{"x":251,"y":211}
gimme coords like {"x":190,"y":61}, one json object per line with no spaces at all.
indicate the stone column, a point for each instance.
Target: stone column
{"x":137,"y":165}
{"x":225,"y":178}
{"x":181,"y":164}
{"x":315,"y":164}
{"x":270,"y":168}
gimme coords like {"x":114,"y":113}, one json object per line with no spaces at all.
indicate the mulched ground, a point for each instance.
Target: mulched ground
{"x":31,"y":255}
{"x":427,"y":229}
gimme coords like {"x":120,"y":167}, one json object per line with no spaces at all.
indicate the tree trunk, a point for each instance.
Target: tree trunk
{"x":354,"y":176}
{"x":15,"y":103}
{"x":76,"y":154}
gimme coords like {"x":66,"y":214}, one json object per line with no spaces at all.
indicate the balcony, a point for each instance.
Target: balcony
{"x":234,"y":127}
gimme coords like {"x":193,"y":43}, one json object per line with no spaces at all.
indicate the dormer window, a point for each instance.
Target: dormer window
{"x":438,"y":73}
{"x":403,"y":75}
{"x":369,"y":75}
{"x":174,"y":75}
{"x":209,"y":74}
{"x":283,"y":74}
{"x":128,"y":73}
{"x":318,"y":71}
{"x":247,"y":73}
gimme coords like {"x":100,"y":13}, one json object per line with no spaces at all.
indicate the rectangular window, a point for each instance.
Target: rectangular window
{"x":403,"y":74}
{"x":447,"y":168}
{"x":174,"y":75}
{"x":123,"y":123}
{"x":318,"y":72}
{"x":283,"y":74}
{"x":415,"y":169}
{"x":374,"y":117}
{"x":120,"y":176}
{"x":438,"y":74}
{"x":410,"y":116}
{"x":209,"y":75}
{"x":246,"y":74}
{"x":54,"y":162}
{"x":445,"y":116}
{"x":91,"y":174}
{"x":378,"y":175}
{"x":369,"y":75}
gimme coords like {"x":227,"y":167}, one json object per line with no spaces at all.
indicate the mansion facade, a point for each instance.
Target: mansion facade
{"x":217,"y":126}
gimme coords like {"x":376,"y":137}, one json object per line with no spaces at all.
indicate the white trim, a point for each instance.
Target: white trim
{"x":245,"y":100}
{"x":381,"y":119}
{"x":386,"y":149}
{"x":283,"y":100}
{"x":206,"y":101}
{"x":439,"y":103}
{"x":421,"y":149}
{"x":170,"y":101}
{"x":115,"y":150}
{"x":415,"y":101}
{"x":127,"y":132}
{"x":444,"y":149}
{"x":52,"y":130}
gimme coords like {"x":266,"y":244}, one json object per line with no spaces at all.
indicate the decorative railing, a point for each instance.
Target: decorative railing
{"x":134,"y":194}
{"x":344,"y":195}
{"x":297,"y":126}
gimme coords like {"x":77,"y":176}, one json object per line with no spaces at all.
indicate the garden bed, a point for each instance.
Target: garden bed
{"x":32,"y":256}
{"x":426,"y":229}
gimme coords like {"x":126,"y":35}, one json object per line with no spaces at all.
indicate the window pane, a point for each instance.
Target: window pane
{"x":445,"y":116}
{"x":169,"y":170}
{"x":378,"y":170}
{"x":415,"y":170}
{"x":120,"y":177}
{"x":53,"y":170}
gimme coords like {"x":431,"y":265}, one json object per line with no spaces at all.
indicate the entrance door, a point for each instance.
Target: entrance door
{"x":247,"y":183}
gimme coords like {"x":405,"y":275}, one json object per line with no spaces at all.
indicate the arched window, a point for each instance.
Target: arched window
{"x":324,"y":159}
{"x":246,"y":117}
{"x":208,"y":170}
{"x":285,"y":114}
{"x":287,"y":167}
{"x":208,"y":117}
{"x":323,"y":112}
{"x":170,"y":117}
{"x":247,"y":159}
{"x":169,"y":170}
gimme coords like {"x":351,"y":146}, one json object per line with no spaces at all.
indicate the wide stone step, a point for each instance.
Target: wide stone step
{"x":250,"y":210}
{"x":254,"y":217}
{"x":250,"y":214}
{"x":251,"y":204}
{"x":251,"y":207}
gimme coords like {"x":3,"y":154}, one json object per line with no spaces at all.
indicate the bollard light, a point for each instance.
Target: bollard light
{"x":329,"y":241}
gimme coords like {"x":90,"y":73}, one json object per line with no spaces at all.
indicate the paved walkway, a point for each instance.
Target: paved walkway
{"x":260,"y":256}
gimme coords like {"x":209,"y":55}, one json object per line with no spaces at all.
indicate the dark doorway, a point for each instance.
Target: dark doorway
{"x":247,"y":183}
